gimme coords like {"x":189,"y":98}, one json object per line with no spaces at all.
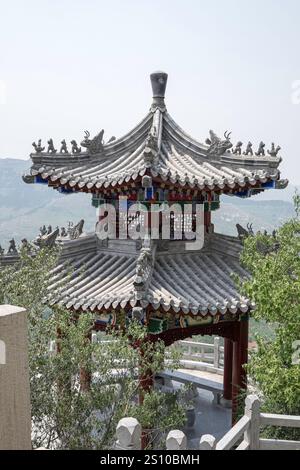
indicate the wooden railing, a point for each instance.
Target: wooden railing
{"x":245,"y":435}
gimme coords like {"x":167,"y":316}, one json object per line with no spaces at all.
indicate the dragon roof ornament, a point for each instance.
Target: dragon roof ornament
{"x":217,"y":146}
{"x":94,"y":145}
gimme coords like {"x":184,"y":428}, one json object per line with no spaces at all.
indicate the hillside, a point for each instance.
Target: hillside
{"x":24,"y":208}
{"x":263,"y":214}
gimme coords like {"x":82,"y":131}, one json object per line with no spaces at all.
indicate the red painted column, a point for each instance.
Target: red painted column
{"x":240,"y":358}
{"x":244,"y":340}
{"x":227,"y":378}
{"x":85,"y":377}
{"x":146,"y":381}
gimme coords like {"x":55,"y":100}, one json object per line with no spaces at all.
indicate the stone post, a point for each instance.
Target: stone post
{"x":129,"y":432}
{"x":176,"y":440}
{"x":15,"y":415}
{"x":252,"y":410}
{"x":207,"y":442}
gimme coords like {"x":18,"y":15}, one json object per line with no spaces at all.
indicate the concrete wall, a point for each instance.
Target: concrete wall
{"x":15,"y":416}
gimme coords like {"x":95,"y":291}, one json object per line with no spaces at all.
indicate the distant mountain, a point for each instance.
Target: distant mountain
{"x":24,"y":207}
{"x":263,"y":214}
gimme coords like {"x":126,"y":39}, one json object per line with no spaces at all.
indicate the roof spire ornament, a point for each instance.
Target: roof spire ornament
{"x":159,"y":85}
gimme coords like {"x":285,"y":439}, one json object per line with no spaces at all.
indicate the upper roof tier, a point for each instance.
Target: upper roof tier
{"x":159,"y":148}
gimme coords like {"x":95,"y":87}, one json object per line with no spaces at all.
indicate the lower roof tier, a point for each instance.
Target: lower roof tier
{"x":101,"y":276}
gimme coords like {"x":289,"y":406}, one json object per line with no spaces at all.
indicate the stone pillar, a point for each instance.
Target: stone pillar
{"x":15,"y":414}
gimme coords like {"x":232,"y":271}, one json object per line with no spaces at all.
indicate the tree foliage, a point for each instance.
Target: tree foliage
{"x":274,"y":286}
{"x":64,"y":414}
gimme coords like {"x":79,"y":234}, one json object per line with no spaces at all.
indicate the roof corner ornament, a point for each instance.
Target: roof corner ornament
{"x":64,"y":148}
{"x":218,"y":146}
{"x":46,"y":240}
{"x":38,"y":147}
{"x":273,"y":152}
{"x":25,"y":247}
{"x":76,"y":231}
{"x":151,"y":150}
{"x":1,"y":251}
{"x":147,"y":182}
{"x":12,"y":249}
{"x":244,"y":233}
{"x":249,"y":150}
{"x":143,"y":267}
{"x":75,"y":149}
{"x":238,"y":148}
{"x":94,"y":145}
{"x":51,"y":149}
{"x":281,"y":184}
{"x":261,"y":150}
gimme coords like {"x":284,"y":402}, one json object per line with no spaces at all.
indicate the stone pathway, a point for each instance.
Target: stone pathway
{"x":210,"y":418}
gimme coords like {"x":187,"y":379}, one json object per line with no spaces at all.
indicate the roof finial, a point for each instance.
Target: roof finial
{"x":159,"y":84}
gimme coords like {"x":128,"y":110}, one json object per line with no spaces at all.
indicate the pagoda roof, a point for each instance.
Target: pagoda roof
{"x":98,"y":276}
{"x":159,"y":148}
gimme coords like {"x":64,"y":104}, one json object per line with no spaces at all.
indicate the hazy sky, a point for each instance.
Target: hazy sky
{"x":71,"y":65}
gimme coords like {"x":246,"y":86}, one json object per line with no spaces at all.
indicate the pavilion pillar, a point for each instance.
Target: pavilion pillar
{"x":146,"y":382}
{"x":207,"y":220}
{"x":227,"y":377}
{"x":85,"y":377}
{"x":240,"y":359}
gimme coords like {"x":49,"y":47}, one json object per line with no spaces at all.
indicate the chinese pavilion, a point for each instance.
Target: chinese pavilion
{"x":175,"y":287}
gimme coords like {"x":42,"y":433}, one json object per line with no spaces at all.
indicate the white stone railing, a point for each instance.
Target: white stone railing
{"x":245,"y":435}
{"x":202,"y":356}
{"x":195,"y":355}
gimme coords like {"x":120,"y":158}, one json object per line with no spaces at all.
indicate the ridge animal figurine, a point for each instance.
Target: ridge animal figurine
{"x":261,"y":150}
{"x":238,"y":148}
{"x":249,"y":150}
{"x":63,"y":148}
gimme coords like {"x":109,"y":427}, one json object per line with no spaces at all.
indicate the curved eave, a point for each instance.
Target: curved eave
{"x":213,"y":312}
{"x":167,"y":178}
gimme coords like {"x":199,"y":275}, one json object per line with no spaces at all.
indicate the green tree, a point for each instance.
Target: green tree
{"x":274,"y":286}
{"x":65,"y":415}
